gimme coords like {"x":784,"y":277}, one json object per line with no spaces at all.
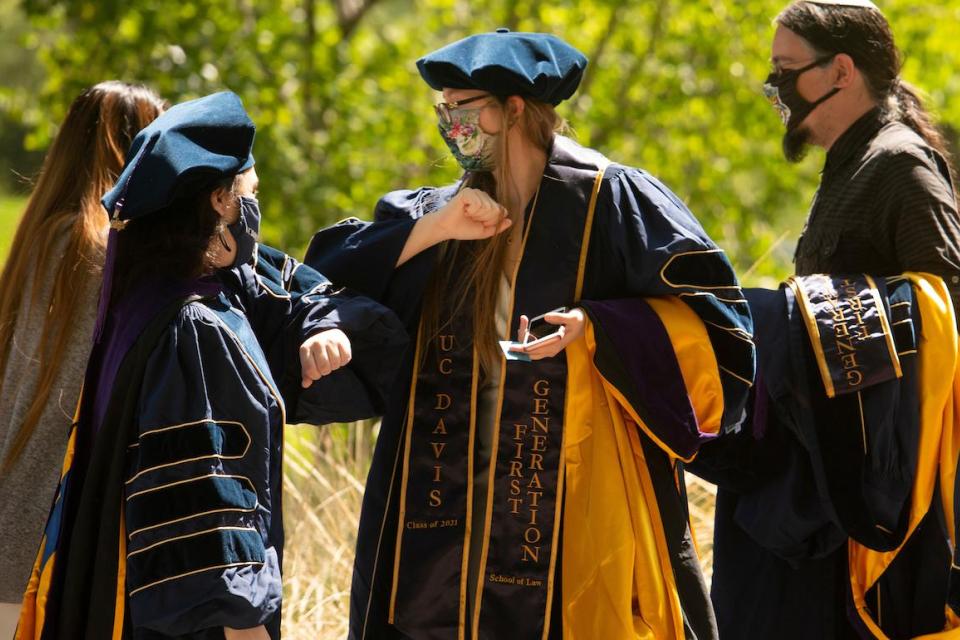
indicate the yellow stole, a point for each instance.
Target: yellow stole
{"x":617,"y":577}
{"x":939,"y":443}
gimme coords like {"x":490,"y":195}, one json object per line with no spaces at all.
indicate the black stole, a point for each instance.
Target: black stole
{"x":525,"y":482}
{"x":849,"y":331}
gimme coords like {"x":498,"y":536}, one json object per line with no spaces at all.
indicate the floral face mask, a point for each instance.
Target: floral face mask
{"x":469,"y":144}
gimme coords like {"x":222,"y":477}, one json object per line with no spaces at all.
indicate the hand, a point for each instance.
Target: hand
{"x":571,"y":327}
{"x":323,"y":354}
{"x":471,"y":215}
{"x":257,"y":633}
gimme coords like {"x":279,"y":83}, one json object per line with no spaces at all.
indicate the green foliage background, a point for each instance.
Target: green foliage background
{"x":673,"y":86}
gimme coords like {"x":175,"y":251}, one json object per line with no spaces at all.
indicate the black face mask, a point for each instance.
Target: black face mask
{"x":781,"y":90}
{"x":245,"y":230}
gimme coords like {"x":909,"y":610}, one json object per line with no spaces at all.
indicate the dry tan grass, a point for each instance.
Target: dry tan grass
{"x":323,"y":484}
{"x":324,"y":472}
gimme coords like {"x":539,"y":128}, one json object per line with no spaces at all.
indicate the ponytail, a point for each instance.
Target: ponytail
{"x":908,"y":108}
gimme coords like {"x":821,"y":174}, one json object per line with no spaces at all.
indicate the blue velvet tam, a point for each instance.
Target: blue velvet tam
{"x":536,"y":65}
{"x":188,"y":148}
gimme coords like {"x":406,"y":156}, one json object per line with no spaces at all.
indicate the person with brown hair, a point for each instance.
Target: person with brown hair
{"x":167,"y":521}
{"x":835,"y":514}
{"x":48,"y":294}
{"x":530,"y":489}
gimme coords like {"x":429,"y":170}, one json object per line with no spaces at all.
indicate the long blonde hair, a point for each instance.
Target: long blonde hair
{"x":485,"y":260}
{"x":81,"y":165}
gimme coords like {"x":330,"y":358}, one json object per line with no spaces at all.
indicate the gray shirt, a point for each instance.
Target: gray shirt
{"x":27,"y":491}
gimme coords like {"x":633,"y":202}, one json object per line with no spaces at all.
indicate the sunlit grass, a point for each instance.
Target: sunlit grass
{"x":324,"y":473}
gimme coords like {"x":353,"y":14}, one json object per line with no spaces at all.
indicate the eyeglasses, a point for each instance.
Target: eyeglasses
{"x":444,"y":109}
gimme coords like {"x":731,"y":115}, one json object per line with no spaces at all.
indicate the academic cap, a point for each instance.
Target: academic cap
{"x":189,"y":146}
{"x":537,"y":65}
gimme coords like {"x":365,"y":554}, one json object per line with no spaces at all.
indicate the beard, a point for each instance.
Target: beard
{"x":795,"y":143}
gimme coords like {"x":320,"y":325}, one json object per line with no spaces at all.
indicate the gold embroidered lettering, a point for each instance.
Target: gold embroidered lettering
{"x":530,"y":553}
{"x":536,"y":461}
{"x":849,"y":361}
{"x":846,"y":346}
{"x":534,"y":497}
{"x":443,"y":402}
{"x":541,"y":424}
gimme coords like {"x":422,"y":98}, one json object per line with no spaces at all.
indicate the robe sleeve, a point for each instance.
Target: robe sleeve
{"x":363,"y":255}
{"x":288,"y":302}
{"x":673,"y":327}
{"x":198,"y":499}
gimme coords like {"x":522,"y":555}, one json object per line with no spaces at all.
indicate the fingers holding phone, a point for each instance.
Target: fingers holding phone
{"x":547,"y":335}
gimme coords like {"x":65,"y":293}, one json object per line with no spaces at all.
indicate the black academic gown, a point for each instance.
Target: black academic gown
{"x":168,"y":520}
{"x":640,"y":241}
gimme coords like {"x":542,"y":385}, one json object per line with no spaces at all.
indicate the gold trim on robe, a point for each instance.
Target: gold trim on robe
{"x":618,"y":579}
{"x":939,"y":445}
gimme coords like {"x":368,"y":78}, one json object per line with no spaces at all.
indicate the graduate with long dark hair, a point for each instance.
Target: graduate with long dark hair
{"x":167,"y":521}
{"x":534,"y":490}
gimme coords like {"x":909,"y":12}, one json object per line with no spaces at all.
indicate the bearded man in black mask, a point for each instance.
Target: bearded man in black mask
{"x":887,"y":202}
{"x":810,"y":467}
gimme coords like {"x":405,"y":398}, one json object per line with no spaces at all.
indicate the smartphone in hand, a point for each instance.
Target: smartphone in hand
{"x":539,"y":331}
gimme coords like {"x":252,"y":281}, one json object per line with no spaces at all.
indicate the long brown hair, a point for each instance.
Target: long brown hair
{"x":485,"y":260}
{"x":81,"y":165}
{"x":864,"y":34}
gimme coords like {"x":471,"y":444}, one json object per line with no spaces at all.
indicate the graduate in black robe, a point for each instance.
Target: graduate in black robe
{"x":538,"y":497}
{"x":167,"y":523}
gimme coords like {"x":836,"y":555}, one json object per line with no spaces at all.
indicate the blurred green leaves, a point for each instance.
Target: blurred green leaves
{"x":343,"y":116}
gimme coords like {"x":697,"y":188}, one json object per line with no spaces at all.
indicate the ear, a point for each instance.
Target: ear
{"x":515,"y":107}
{"x":220,"y":201}
{"x":845,"y":71}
